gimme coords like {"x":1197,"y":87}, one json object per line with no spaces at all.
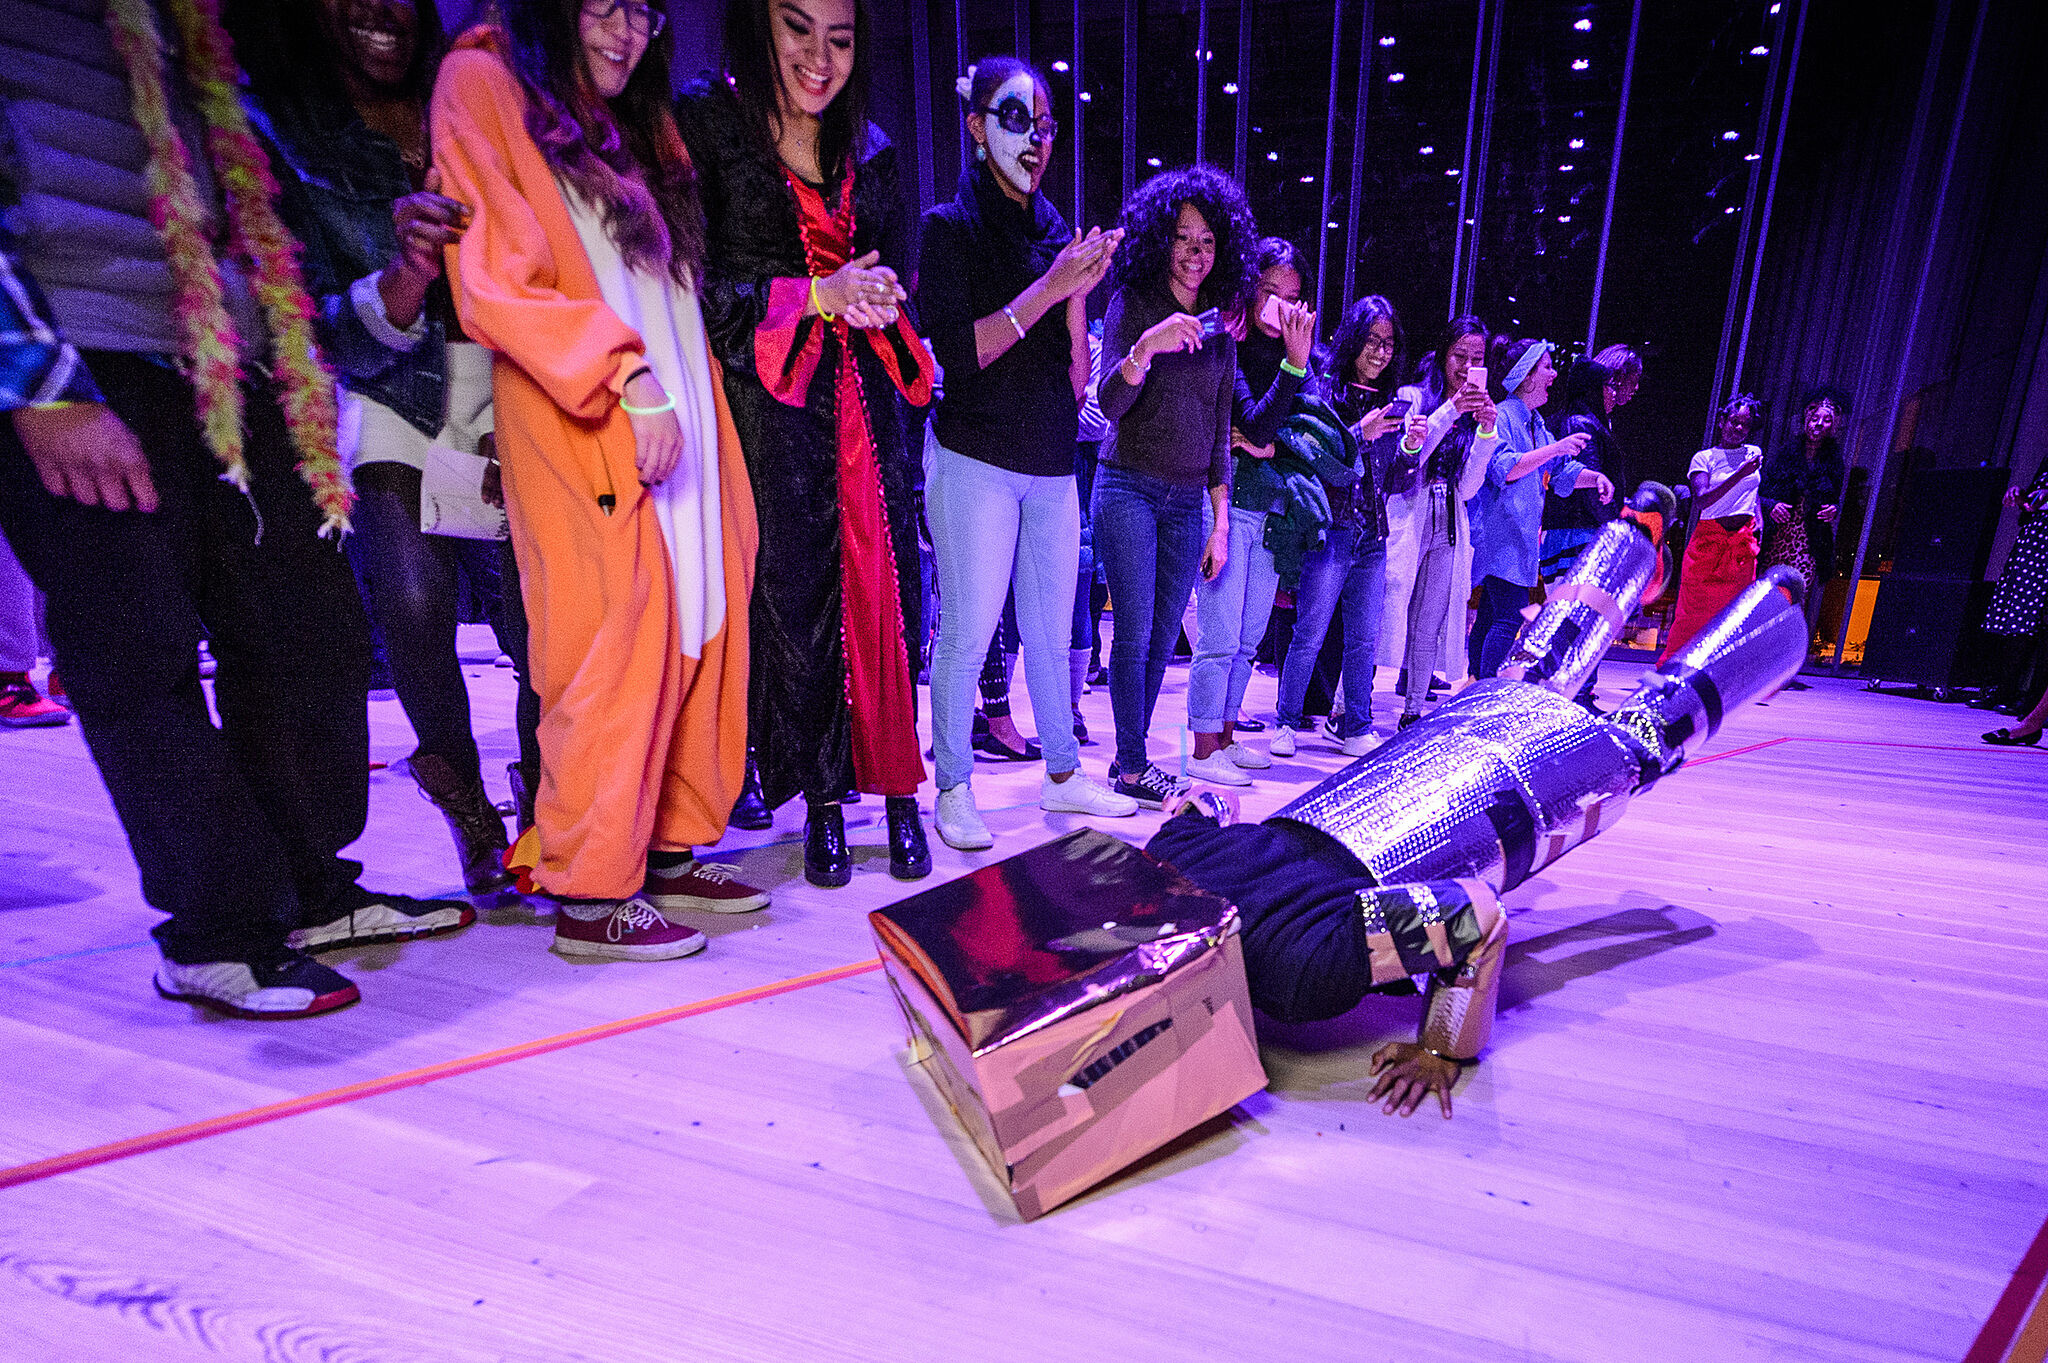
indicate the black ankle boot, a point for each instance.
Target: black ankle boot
{"x":520,"y":806}
{"x":909,"y":857}
{"x":478,"y":828}
{"x":751,"y":809}
{"x":826,"y":860}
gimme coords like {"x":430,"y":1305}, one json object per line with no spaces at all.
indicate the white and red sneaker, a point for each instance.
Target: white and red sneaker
{"x":707,"y":886}
{"x":631,"y":931}
{"x":287,"y":985}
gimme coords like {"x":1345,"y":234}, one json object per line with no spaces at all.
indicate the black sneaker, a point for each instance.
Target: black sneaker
{"x":1151,"y":788}
{"x":366,"y":918}
{"x":293,"y":985}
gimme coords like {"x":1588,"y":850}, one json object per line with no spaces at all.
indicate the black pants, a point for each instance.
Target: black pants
{"x":412,"y":584}
{"x":237,"y":830}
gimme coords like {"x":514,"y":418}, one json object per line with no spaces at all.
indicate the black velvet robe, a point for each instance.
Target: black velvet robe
{"x":798,"y":718}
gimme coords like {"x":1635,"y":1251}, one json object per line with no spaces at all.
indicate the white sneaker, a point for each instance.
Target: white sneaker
{"x":1358,"y":745}
{"x":1283,"y":740}
{"x":1079,"y":795}
{"x":289,"y":985}
{"x":1251,"y":759}
{"x":960,"y":825}
{"x":1218,"y":768}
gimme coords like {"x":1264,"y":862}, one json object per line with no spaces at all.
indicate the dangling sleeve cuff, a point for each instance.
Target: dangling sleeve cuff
{"x":787,"y":344}
{"x":630,"y":363}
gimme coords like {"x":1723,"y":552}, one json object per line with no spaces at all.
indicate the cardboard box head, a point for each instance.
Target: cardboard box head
{"x":1079,"y":1005}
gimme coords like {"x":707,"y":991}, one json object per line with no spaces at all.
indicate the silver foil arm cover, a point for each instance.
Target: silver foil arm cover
{"x":1455,"y":931}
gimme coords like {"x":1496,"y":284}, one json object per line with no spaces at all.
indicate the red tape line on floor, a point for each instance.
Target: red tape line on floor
{"x":1994,"y":1343}
{"x":427,"y":1074}
{"x":1737,"y":752}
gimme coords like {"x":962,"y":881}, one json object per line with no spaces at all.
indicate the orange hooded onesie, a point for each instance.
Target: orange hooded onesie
{"x":642,"y":682}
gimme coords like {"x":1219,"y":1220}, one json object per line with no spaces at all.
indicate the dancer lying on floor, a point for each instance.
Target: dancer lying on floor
{"x":1391,"y":869}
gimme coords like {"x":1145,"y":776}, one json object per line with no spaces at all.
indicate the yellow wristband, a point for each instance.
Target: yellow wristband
{"x":59,"y":405}
{"x":817,"y":306}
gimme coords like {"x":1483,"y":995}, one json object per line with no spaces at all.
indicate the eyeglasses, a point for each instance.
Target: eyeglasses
{"x":1015,"y":118}
{"x":643,"y":19}
{"x":1377,"y":345}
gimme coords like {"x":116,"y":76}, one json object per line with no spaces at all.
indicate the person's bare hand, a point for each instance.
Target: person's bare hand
{"x":2012,"y":495}
{"x":1469,"y":398}
{"x":1602,"y":486}
{"x":1181,"y":331}
{"x":1406,"y":1074}
{"x":427,"y":223}
{"x":657,"y":438}
{"x":1298,"y":332}
{"x":1216,"y":552}
{"x":1827,"y":514}
{"x":1417,"y":432}
{"x":1488,"y":416}
{"x":871,"y":316}
{"x":1080,"y":264}
{"x":1781,"y":513}
{"x":862,"y":281}
{"x":86,"y":453}
{"x":1238,"y":442}
{"x":1373,"y":425}
{"x":1573,"y":445}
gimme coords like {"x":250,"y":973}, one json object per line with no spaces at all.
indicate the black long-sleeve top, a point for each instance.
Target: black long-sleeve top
{"x":1258,"y":371}
{"x":980,"y":251}
{"x":1791,"y":479}
{"x":1175,"y":426}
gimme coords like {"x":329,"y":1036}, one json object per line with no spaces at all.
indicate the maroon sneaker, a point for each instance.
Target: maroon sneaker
{"x":707,"y":886}
{"x":632,"y":931}
{"x":23,"y":707}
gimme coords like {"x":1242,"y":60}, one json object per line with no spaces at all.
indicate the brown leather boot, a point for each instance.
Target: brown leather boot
{"x":478,"y":828}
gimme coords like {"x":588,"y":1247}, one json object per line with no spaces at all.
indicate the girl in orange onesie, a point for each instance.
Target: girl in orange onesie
{"x":631,"y":514}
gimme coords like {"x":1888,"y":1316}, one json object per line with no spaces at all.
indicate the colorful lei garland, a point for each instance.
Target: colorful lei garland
{"x":239,"y":162}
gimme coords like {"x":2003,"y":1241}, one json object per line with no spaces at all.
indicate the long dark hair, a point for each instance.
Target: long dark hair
{"x":1153,"y":212}
{"x":1429,"y":371}
{"x":623,"y":155}
{"x":284,"y":50}
{"x":1349,"y":342}
{"x":756,"y":78}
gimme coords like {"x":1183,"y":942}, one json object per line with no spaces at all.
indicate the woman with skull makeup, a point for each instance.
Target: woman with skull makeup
{"x":1002,"y":287}
{"x":1167,"y":384}
{"x":805,"y":231}
{"x":627,"y":495}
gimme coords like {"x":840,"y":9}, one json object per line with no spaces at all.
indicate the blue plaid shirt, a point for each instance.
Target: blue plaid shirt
{"x":36,"y":364}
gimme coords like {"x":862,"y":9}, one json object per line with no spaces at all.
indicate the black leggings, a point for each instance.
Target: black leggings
{"x":412,"y":584}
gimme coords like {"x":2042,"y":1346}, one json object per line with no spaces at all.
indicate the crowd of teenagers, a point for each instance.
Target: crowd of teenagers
{"x":677,"y":389}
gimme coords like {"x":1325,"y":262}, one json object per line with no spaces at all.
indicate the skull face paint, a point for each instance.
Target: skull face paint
{"x":1018,"y":157}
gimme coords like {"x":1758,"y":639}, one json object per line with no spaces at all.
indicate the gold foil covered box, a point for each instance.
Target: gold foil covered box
{"x":1078,"y":1005}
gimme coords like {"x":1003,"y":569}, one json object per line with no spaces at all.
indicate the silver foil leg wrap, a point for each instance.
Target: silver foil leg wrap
{"x":1585,"y":613}
{"x":1750,"y":649}
{"x":1497,"y":783}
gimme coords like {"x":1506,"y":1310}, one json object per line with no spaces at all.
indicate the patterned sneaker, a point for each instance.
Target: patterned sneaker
{"x":23,"y":707}
{"x":1218,"y":769}
{"x":1151,"y":788}
{"x":707,"y":886}
{"x":631,"y":931}
{"x":293,"y":985}
{"x":367,"y":918}
{"x":1251,"y":759}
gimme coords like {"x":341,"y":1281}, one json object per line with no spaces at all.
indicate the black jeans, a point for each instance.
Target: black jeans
{"x":412,"y":582}
{"x":237,"y":830}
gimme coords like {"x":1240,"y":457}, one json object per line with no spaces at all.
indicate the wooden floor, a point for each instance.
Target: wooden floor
{"x":1769,"y":1083}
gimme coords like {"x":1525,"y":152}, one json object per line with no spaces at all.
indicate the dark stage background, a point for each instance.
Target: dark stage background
{"x":1806,"y":192}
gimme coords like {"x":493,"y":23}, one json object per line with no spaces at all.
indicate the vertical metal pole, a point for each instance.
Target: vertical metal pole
{"x":1628,"y":73}
{"x":1329,"y":152}
{"x":1356,"y":187}
{"x":1725,"y":388}
{"x":1911,"y":334}
{"x":1131,"y":97}
{"x":1465,"y":166}
{"x":921,"y":97}
{"x":1243,"y":139}
{"x":1763,"y":227}
{"x":960,"y":69}
{"x":1486,"y":100}
{"x":1021,"y":23}
{"x":1078,"y":144}
{"x":1201,"y":79}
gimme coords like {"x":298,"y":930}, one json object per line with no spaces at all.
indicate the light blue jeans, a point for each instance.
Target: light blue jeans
{"x":1350,"y":571}
{"x":990,"y":526}
{"x":1230,"y":618}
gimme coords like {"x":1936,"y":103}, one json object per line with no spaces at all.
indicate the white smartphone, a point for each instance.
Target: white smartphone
{"x":1476,"y":376}
{"x":1269,"y":316}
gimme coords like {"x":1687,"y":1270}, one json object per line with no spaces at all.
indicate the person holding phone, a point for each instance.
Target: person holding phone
{"x":1168,"y":384}
{"x":1232,"y":609}
{"x":1003,"y":284}
{"x":1448,"y":436}
{"x":1507,"y":512}
{"x":1720,"y":555}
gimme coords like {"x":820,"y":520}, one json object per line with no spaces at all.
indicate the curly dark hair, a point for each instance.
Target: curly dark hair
{"x":285,"y":51}
{"x":1154,"y":210}
{"x":756,"y":78}
{"x":1349,"y":342}
{"x":1758,"y":414}
{"x":624,"y":155}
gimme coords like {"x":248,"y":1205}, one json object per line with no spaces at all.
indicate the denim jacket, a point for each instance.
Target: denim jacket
{"x":337,"y":181}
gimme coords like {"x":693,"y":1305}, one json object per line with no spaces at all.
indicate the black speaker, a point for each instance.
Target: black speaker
{"x":1925,"y":630}
{"x":1946,"y":521}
